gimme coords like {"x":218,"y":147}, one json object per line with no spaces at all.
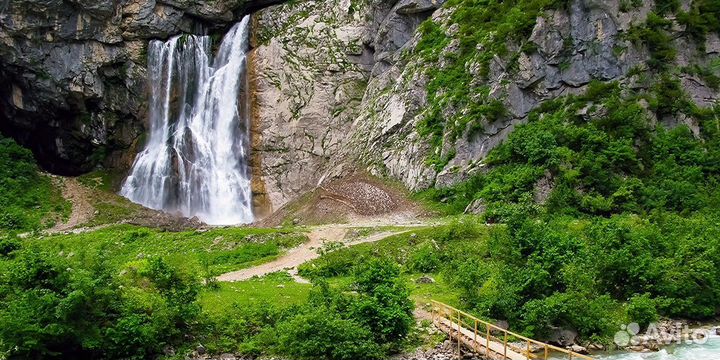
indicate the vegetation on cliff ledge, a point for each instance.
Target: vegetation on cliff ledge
{"x":28,"y":199}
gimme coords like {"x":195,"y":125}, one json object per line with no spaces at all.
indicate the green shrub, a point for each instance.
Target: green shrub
{"x":326,"y":335}
{"x":27,"y":198}
{"x":654,"y":34}
{"x":369,"y":323}
{"x":383,"y":305}
{"x":8,"y":246}
{"x":52,"y":308}
{"x":244,"y":329}
{"x":642,"y":310}
{"x":424,"y":259}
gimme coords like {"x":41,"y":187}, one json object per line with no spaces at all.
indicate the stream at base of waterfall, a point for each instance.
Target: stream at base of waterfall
{"x":710,"y":350}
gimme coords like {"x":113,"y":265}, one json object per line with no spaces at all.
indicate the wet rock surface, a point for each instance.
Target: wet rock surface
{"x":73,"y":73}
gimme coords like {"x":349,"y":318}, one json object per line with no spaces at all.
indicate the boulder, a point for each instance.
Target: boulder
{"x":477,"y":207}
{"x":425,"y":280}
{"x":578,"y":349}
{"x":407,"y":7}
{"x":563,"y":336}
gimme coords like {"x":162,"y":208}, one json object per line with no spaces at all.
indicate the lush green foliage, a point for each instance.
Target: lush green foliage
{"x":128,"y":292}
{"x":590,"y":274}
{"x":51,"y":308}
{"x":603,"y":157}
{"x":120,"y":292}
{"x":367,"y":324}
{"x":626,"y":230}
{"x":702,"y":19}
{"x":654,"y":34}
{"x":27,"y":199}
{"x":203,"y":252}
{"x":458,"y":103}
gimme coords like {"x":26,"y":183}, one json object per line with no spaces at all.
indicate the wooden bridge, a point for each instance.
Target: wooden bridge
{"x":492,"y":341}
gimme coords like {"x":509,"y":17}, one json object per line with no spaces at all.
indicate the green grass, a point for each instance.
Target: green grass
{"x":401,"y":247}
{"x":278,"y":289}
{"x":105,"y":180}
{"x":408,"y":249}
{"x":111,"y":208}
{"x":199,"y":252}
{"x":29,"y":200}
{"x":421,"y":294}
{"x":440,"y":291}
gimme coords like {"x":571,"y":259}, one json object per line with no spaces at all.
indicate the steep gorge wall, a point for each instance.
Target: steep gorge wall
{"x":355,"y":83}
{"x":563,"y":51}
{"x":337,"y":85}
{"x":311,"y":66}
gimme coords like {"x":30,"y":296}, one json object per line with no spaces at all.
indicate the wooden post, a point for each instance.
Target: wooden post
{"x":546,"y":351}
{"x":458,"y":335}
{"x":487,"y":342}
{"x":527,"y":354}
{"x":475,"y":338}
{"x":505,"y":341}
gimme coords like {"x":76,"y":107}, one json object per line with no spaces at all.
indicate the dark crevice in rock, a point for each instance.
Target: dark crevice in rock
{"x":252,"y":6}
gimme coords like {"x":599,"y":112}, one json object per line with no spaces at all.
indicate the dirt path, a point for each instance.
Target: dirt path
{"x":82,"y":210}
{"x":305,"y":252}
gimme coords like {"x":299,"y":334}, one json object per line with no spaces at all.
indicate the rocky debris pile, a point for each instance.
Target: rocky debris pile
{"x":448,"y":350}
{"x":200,"y":353}
{"x":354,"y":196}
{"x":425,"y":280}
{"x":165,"y":221}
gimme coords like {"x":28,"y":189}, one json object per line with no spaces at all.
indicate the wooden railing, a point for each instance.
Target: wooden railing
{"x":485,"y":332}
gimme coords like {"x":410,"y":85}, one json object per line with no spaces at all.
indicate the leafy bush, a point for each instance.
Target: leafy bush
{"x":369,"y":323}
{"x":26,"y":197}
{"x":383,"y":305}
{"x":326,"y":335}
{"x":8,"y":246}
{"x":641,"y":309}
{"x":424,"y":259}
{"x":53,"y":309}
{"x":245,"y":329}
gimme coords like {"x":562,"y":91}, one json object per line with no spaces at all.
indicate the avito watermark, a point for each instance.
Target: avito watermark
{"x":667,"y":334}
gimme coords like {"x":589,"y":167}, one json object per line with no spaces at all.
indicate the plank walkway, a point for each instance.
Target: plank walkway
{"x":491,"y":341}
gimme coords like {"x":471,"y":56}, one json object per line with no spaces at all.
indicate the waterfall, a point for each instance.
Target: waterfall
{"x":195,"y":160}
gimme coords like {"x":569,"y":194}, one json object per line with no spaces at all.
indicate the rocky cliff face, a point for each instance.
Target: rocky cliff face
{"x":311,"y":66}
{"x":73,"y":75}
{"x":563,"y":51}
{"x":357,"y":80}
{"x":346,"y":84}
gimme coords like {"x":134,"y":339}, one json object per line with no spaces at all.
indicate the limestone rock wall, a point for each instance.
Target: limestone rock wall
{"x":337,"y":85}
{"x":573,"y":46}
{"x":312,"y":61}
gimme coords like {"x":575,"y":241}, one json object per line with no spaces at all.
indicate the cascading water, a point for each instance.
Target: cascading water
{"x":195,"y":161}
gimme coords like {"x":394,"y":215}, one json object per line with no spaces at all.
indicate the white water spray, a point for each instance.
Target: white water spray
{"x":195,"y":161}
